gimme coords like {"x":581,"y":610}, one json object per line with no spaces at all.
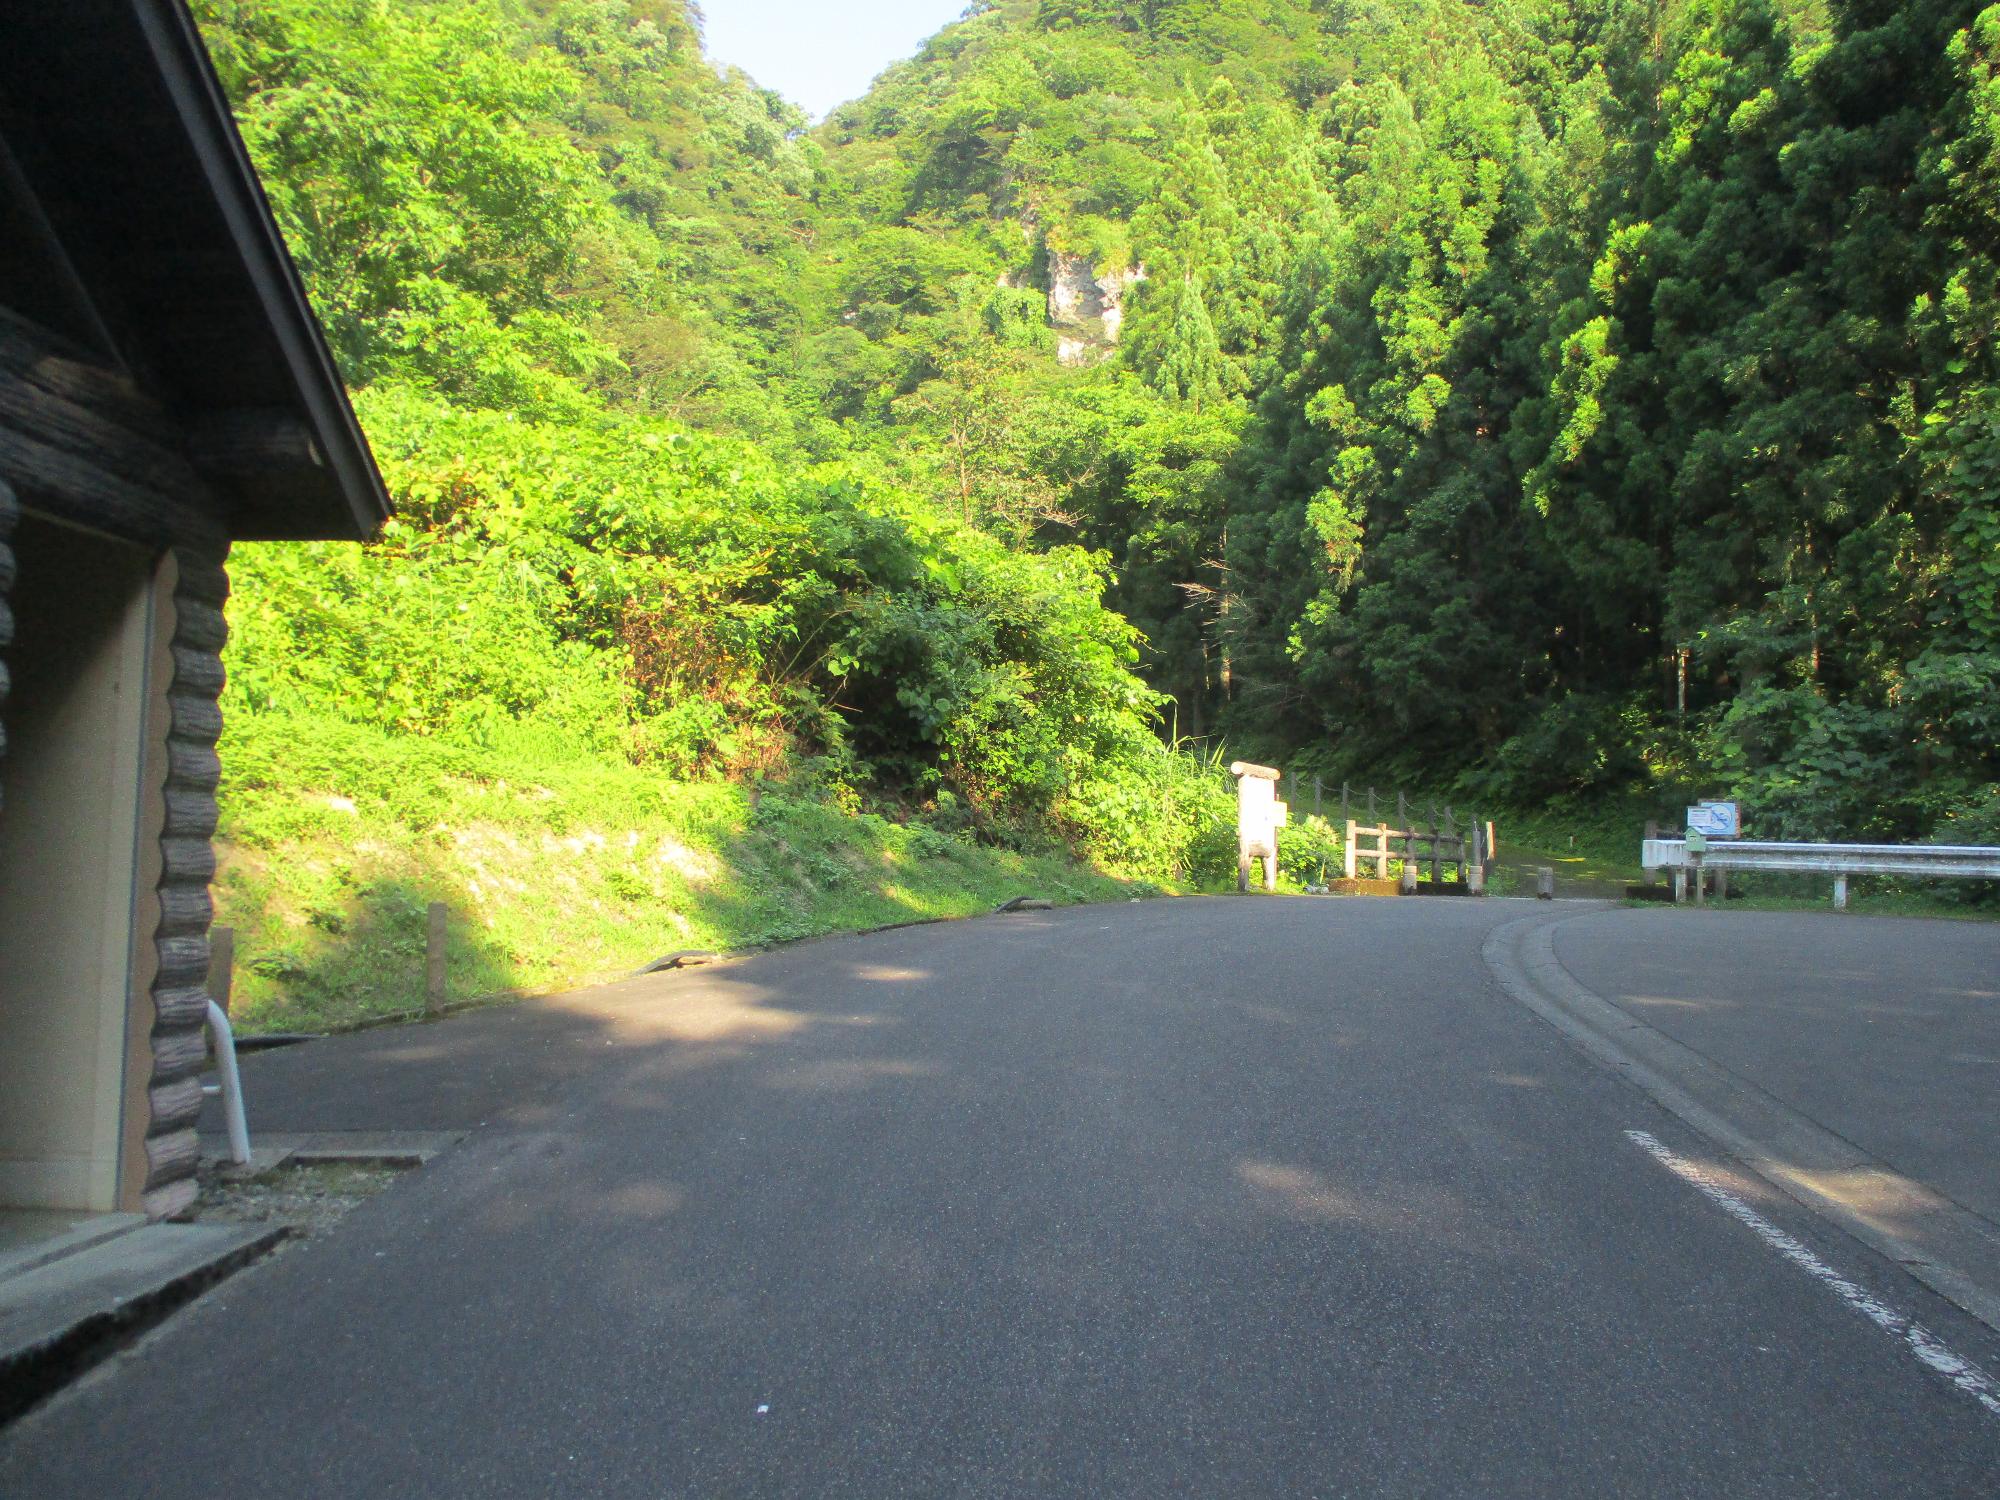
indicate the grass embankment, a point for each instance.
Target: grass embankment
{"x":1594,"y":851}
{"x":556,"y":873}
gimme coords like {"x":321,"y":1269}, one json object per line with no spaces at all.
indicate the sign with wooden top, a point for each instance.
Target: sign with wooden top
{"x":1259,"y":816}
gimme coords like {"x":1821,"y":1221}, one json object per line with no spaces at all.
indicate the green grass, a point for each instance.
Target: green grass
{"x":1600,"y":840}
{"x":555,"y":875}
{"x":1578,"y":871}
{"x":1944,"y":900}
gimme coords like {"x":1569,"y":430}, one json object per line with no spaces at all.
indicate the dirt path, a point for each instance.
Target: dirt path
{"x":1577,"y":874}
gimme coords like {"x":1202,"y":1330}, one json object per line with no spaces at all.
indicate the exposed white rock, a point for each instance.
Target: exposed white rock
{"x":1073,"y":294}
{"x":1089,"y":309}
{"x":1111,"y":291}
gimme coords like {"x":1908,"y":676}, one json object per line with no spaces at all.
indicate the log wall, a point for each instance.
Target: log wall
{"x":187,"y":866}
{"x":81,"y":442}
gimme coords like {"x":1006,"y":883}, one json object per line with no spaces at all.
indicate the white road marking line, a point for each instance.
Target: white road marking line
{"x":1921,"y":1342}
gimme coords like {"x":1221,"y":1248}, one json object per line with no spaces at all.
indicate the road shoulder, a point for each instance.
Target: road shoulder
{"x":1946,"y":1246}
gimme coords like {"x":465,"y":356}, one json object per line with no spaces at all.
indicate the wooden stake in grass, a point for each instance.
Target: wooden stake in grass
{"x":434,"y":962}
{"x":221,"y":965}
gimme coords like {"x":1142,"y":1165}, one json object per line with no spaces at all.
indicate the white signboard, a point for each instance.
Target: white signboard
{"x":1716,"y":820}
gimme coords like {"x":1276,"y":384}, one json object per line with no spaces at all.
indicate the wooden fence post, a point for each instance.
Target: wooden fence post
{"x":221,"y":965}
{"x":1652,"y":832}
{"x":1349,"y":850}
{"x":434,"y":941}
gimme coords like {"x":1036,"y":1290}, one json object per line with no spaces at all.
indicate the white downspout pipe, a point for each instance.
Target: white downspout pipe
{"x":231,"y":1087}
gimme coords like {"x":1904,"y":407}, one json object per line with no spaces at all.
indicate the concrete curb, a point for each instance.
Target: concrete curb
{"x":60,"y":1318}
{"x":366,"y":1148}
{"x":1949,"y":1248}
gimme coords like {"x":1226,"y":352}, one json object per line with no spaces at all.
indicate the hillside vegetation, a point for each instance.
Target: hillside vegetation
{"x":633,"y":668}
{"x":1550,"y":397}
{"x":1532,"y":400}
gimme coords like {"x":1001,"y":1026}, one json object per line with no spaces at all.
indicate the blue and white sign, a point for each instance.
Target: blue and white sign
{"x":1715,"y":820}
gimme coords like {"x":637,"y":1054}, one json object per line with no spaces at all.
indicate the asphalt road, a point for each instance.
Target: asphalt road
{"x":1884,"y":1029}
{"x":1244,"y":1197}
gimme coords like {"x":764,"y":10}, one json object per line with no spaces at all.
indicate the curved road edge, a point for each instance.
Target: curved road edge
{"x":1946,"y":1246}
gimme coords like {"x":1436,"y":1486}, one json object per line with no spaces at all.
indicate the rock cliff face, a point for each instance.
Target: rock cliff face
{"x":1087,"y":310}
{"x":1073,"y":294}
{"x":1113,"y":289}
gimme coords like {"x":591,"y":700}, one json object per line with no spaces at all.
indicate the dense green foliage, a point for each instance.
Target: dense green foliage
{"x":1547,"y":395}
{"x":1540,"y":396}
{"x":546,"y":240}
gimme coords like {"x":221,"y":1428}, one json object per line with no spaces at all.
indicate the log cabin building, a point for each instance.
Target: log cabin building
{"x":164,"y":391}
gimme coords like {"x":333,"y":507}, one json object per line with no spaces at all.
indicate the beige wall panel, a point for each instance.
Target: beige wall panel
{"x":76,"y":727}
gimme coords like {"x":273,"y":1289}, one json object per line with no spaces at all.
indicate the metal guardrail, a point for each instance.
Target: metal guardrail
{"x":1951,"y":861}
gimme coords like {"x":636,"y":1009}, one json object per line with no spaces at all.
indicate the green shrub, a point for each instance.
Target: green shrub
{"x":1309,"y":851}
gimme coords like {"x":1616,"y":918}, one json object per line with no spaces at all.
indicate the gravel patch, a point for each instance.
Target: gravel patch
{"x":307,"y":1199}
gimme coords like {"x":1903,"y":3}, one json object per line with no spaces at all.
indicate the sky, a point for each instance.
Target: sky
{"x":819,"y":53}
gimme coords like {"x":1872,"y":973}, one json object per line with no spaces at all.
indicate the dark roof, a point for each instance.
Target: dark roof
{"x":117,"y":122}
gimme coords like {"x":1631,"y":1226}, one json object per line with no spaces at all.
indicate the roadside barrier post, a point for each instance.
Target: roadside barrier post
{"x":434,"y":939}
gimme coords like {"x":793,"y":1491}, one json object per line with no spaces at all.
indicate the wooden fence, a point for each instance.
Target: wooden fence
{"x":1422,"y":834}
{"x":1467,"y":852}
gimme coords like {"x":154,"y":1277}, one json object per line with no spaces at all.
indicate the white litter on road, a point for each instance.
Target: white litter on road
{"x":1921,"y":1342}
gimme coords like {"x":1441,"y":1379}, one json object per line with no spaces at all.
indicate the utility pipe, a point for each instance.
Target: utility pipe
{"x":231,"y":1087}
